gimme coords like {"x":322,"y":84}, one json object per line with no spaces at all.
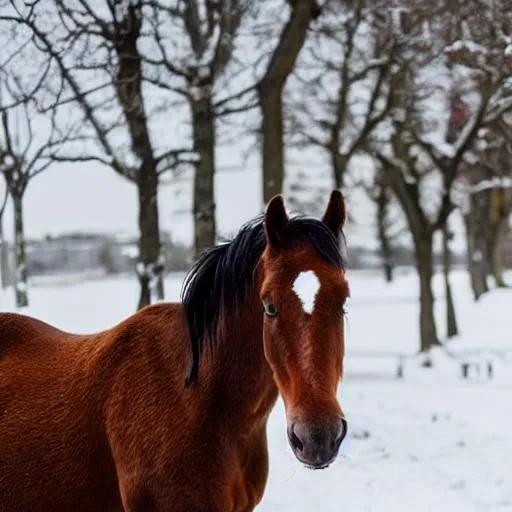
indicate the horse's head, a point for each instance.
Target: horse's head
{"x":303,"y":291}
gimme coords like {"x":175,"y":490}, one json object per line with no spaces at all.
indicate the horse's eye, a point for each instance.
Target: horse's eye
{"x":270,"y":309}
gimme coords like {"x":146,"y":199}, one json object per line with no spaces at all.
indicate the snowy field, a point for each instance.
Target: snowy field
{"x":431,"y":441}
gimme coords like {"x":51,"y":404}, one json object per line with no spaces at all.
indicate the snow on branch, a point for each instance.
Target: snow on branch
{"x":466,"y":46}
{"x":466,"y":133}
{"x":374,"y":63}
{"x":498,"y":108}
{"x":492,"y":183}
{"x":122,"y":8}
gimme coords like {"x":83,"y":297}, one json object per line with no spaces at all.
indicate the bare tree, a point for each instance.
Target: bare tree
{"x":486,"y":209}
{"x":125,"y":64}
{"x":501,"y":208}
{"x":125,"y":35}
{"x":95,"y":63}
{"x":486,"y":49}
{"x":416,"y":158}
{"x":381,"y":194}
{"x":340,"y":84}
{"x":23,"y":156}
{"x":196,"y":69}
{"x":452,"y":328}
{"x":270,"y":91}
{"x":487,"y":195}
{"x":389,"y":223}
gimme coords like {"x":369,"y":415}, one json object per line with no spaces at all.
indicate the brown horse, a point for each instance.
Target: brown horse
{"x":167,"y":411}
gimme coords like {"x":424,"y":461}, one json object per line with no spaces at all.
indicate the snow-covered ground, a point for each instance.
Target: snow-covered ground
{"x":431,"y":441}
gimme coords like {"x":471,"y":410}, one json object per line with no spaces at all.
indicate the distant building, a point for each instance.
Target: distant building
{"x":77,"y":252}
{"x":88,"y":253}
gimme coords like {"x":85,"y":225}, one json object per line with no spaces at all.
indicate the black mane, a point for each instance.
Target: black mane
{"x":221,"y":277}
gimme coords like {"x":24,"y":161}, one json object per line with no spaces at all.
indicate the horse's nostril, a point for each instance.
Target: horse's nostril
{"x":342,"y":432}
{"x":316,"y":444}
{"x":295,"y":441}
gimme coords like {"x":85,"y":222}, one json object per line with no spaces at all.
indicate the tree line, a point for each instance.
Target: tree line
{"x":408,"y":101}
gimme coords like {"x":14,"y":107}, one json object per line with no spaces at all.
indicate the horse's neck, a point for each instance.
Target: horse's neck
{"x":243,"y":374}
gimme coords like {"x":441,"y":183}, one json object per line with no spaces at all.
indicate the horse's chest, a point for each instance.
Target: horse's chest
{"x":246,"y":471}
{"x":244,"y":495}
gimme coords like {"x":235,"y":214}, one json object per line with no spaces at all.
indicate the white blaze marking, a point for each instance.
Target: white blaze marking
{"x":306,"y":287}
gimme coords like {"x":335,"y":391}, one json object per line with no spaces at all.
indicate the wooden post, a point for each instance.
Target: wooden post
{"x":490,"y":370}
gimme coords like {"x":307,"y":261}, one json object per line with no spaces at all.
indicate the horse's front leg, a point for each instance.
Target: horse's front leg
{"x":250,"y":480}
{"x":138,"y":496}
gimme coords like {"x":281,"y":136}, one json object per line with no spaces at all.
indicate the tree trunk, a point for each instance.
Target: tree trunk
{"x":498,"y":217}
{"x":160,"y":290}
{"x":338,"y":163}
{"x":388,"y":271}
{"x":385,"y":245}
{"x":20,"y":253}
{"x":497,"y":269}
{"x":4,"y":259}
{"x":272,"y":145}
{"x":422,"y":234}
{"x":129,"y":93}
{"x":451,"y":320}
{"x":4,"y":251}
{"x":494,"y":258}
{"x":338,"y":178}
{"x":425,"y":267}
{"x":150,"y":266}
{"x":270,"y":92}
{"x":203,"y":124}
{"x":475,"y":257}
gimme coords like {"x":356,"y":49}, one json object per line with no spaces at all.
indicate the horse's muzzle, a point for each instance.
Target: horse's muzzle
{"x":317,"y":445}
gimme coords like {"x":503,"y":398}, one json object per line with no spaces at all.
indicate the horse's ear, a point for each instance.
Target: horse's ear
{"x":335,"y":213}
{"x":276,"y":221}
